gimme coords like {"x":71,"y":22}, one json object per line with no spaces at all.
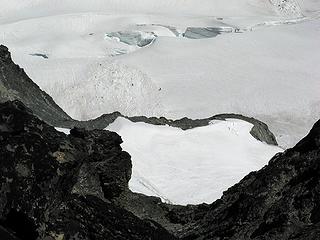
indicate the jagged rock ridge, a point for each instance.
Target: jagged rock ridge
{"x":55,"y":186}
{"x":15,"y":84}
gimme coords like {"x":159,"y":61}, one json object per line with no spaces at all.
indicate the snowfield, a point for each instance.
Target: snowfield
{"x":37,"y":8}
{"x":271,"y":74}
{"x":91,"y":57}
{"x":193,"y":166}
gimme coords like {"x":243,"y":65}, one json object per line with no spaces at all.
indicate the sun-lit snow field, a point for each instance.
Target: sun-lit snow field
{"x":265,"y":64}
{"x":193,"y":166}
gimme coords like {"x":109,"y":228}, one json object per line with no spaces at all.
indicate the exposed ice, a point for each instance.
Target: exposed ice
{"x":134,"y":38}
{"x":204,"y":32}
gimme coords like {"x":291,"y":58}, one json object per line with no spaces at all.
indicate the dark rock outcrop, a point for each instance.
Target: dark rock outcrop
{"x":16,"y":85}
{"x":54,"y":186}
{"x":259,"y":131}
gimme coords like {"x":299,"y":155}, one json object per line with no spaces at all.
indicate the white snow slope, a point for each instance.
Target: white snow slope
{"x":193,"y":166}
{"x":270,"y":71}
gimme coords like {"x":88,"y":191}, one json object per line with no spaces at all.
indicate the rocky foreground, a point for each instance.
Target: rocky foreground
{"x":55,"y":186}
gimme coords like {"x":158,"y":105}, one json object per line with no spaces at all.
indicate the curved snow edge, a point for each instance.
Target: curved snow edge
{"x":259,"y":131}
